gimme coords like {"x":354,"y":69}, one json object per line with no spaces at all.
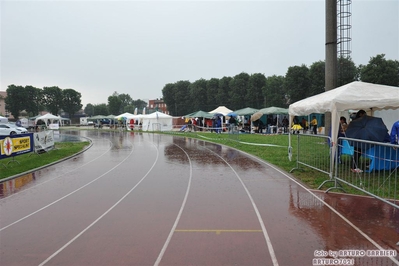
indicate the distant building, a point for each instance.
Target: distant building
{"x":3,"y":112}
{"x":158,"y":105}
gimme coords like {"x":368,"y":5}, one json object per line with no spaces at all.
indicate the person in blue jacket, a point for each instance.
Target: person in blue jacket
{"x":395,"y":133}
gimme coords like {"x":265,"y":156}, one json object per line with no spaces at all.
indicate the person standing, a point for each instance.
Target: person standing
{"x":394,"y":136}
{"x":313,"y":123}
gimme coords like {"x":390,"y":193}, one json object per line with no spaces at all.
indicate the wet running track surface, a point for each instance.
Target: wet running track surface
{"x":149,"y":199}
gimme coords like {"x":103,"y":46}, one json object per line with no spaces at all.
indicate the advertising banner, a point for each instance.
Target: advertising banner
{"x":44,"y":141}
{"x":15,"y":145}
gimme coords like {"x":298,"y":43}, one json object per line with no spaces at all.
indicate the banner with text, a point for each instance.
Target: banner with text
{"x":15,"y":145}
{"x":44,"y":141}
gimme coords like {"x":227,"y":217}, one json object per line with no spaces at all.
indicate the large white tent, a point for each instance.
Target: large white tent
{"x":353,"y":96}
{"x":157,"y":121}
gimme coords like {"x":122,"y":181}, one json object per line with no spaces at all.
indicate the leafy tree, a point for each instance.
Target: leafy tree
{"x":274,"y":92}
{"x":380,"y":71}
{"x":52,"y":99}
{"x":71,"y":101}
{"x":223,"y":91}
{"x":212,"y":88}
{"x":89,"y":109}
{"x":317,"y":77}
{"x":33,"y":101}
{"x":15,"y":100}
{"x":114,"y":104}
{"x":139,"y":104}
{"x":238,"y":89}
{"x":168,"y":93}
{"x":101,"y":109}
{"x":254,"y":96}
{"x":297,"y":83}
{"x":198,"y":94}
{"x":347,"y":71}
{"x":182,"y":97}
{"x":125,"y":100}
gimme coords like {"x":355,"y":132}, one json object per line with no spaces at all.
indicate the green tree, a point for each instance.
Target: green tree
{"x":33,"y":101}
{"x":182,"y":97}
{"x":52,"y":99}
{"x":297,"y":83}
{"x":347,"y":71}
{"x":274,"y":92}
{"x":168,"y":94}
{"x":254,"y":96}
{"x":380,"y":71}
{"x":317,"y":74}
{"x":125,"y":100}
{"x":71,"y":101}
{"x":89,"y":109}
{"x":222,"y":95}
{"x":101,"y":109}
{"x":114,"y":104}
{"x":212,"y":87}
{"x":198,"y":94}
{"x":238,"y":89}
{"x":15,"y":100}
{"x":139,"y":104}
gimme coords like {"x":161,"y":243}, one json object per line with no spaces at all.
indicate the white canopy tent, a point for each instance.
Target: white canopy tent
{"x":222,"y":110}
{"x":157,"y":121}
{"x":48,"y":119}
{"x":353,"y":96}
{"x":3,"y":119}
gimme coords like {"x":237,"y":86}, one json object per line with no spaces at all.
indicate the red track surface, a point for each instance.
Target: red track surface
{"x":147,"y":199}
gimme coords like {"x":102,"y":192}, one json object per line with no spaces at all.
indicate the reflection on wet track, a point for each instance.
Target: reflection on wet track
{"x":148,"y":199}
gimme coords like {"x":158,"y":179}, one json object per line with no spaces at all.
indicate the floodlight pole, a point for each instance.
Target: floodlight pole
{"x":331,"y":54}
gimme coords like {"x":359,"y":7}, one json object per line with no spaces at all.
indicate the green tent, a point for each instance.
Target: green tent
{"x":200,"y":113}
{"x":246,"y":111}
{"x":274,"y":111}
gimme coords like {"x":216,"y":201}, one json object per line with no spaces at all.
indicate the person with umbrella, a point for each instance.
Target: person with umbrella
{"x":365,"y":128}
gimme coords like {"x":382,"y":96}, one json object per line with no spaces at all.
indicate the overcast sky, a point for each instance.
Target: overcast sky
{"x":136,"y":47}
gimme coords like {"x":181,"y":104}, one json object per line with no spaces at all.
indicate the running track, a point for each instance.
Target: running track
{"x":148,"y":199}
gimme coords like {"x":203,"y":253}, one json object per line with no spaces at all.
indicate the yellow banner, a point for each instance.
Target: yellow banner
{"x":15,"y":145}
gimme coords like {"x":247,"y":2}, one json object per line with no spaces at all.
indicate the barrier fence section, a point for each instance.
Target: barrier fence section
{"x":314,"y":151}
{"x":368,"y":166}
{"x":371,"y":167}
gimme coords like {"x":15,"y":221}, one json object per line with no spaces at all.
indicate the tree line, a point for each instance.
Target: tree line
{"x":117,"y":104}
{"x":257,"y":91}
{"x":33,"y":100}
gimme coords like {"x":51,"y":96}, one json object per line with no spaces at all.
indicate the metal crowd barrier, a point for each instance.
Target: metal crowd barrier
{"x":376,"y":164}
{"x":367,"y":166}
{"x":314,"y":151}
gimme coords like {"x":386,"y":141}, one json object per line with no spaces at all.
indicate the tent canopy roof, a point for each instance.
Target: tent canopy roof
{"x":246,"y":111}
{"x":199,"y":114}
{"x":355,"y":95}
{"x":273,"y":110}
{"x":221,"y":109}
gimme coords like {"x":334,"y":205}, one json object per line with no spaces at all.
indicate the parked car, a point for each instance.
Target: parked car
{"x":11,"y":129}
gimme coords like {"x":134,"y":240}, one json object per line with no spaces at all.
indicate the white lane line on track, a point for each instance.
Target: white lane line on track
{"x":326,"y":204}
{"x":42,"y":183}
{"x":262,"y":224}
{"x":67,"y":195}
{"x":165,"y":246}
{"x":105,"y":213}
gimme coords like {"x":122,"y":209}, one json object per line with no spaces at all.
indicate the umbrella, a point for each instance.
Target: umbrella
{"x":256,"y":116}
{"x":367,"y":128}
{"x":233,"y":114}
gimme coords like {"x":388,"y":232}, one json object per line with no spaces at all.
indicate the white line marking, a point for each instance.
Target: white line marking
{"x":67,"y":195}
{"x":42,"y":183}
{"x":105,"y":213}
{"x":326,"y":204}
{"x":165,"y":246}
{"x":265,"y":234}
